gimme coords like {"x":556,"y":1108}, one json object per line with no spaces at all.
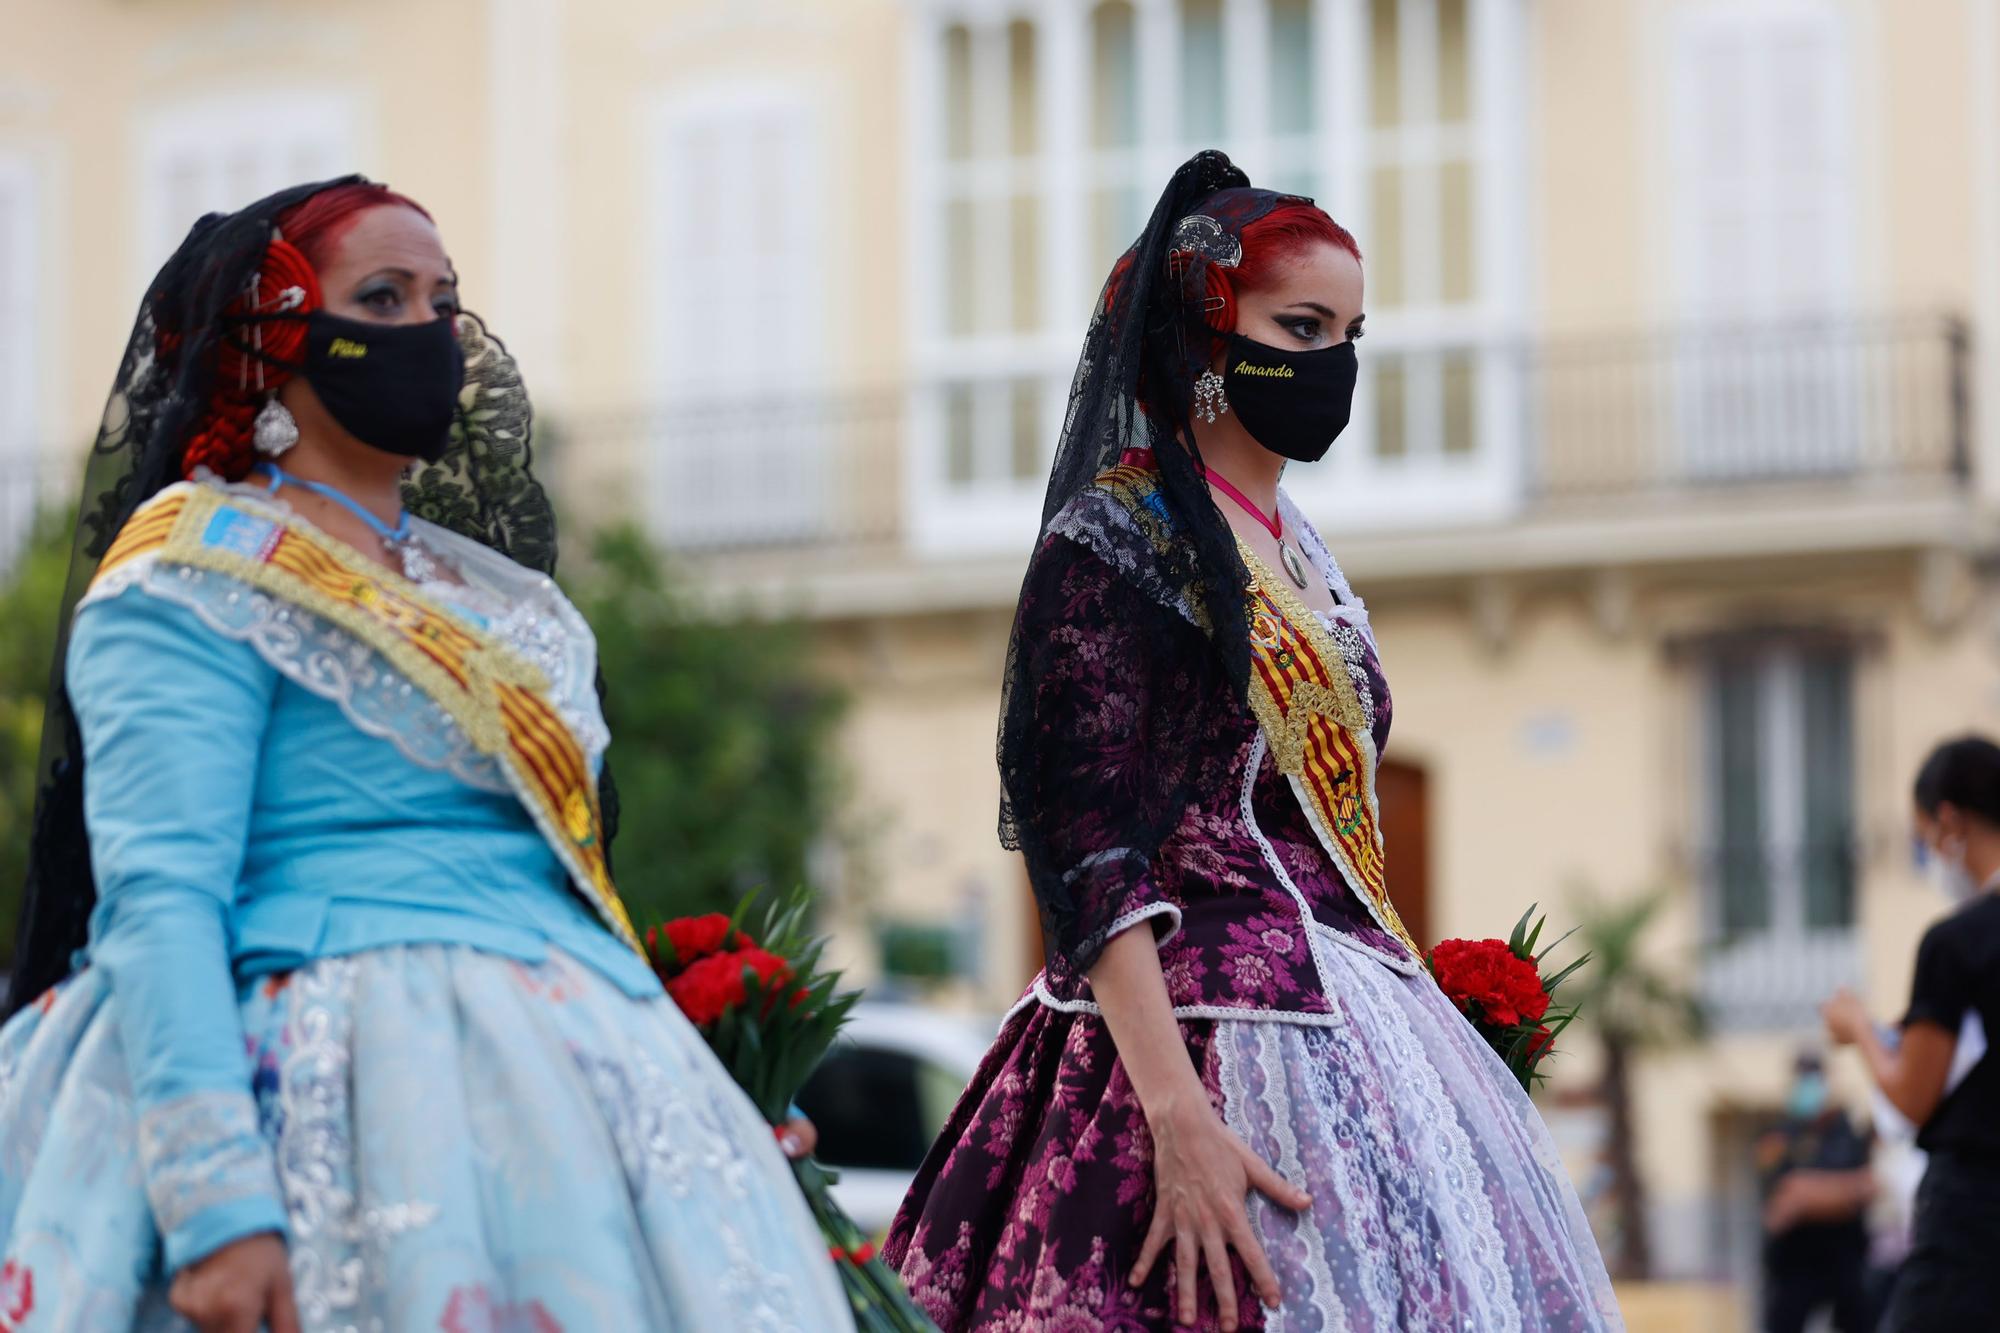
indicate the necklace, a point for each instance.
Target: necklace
{"x":1295,"y":566}
{"x":419,"y":566}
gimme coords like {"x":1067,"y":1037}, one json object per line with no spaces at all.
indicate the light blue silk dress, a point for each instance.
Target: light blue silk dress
{"x":338,"y":987}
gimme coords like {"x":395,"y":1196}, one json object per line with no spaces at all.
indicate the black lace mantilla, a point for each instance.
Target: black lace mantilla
{"x":484,"y":487}
{"x":1147,"y":342}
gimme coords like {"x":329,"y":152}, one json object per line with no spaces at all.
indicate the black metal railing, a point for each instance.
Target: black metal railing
{"x":762,"y":472}
{"x":1779,"y":929}
{"x":1691,"y":412}
{"x":1703,"y":407}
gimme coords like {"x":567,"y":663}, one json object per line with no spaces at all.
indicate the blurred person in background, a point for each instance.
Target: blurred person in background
{"x":1234,"y":1098}
{"x":1817,"y":1186}
{"x":326,"y":1013}
{"x":1936,"y":1071}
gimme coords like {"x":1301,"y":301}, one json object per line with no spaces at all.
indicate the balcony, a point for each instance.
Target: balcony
{"x":1724,"y":440}
{"x":1727,"y":441}
{"x":1877,"y":405}
{"x":1778,"y":931}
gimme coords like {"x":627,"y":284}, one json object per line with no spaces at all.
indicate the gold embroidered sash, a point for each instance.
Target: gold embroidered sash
{"x":500,"y":701}
{"x":1319,"y":736}
{"x":1302,"y":697}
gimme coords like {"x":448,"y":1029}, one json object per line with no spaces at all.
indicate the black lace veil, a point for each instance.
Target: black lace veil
{"x":484,"y":487}
{"x":1147,"y":342}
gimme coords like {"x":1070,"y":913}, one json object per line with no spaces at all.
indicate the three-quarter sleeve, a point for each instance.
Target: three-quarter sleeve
{"x":173,"y":717}
{"x":1113,"y":684}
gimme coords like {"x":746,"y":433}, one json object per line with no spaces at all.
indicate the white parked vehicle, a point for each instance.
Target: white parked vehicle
{"x":881,"y":1096}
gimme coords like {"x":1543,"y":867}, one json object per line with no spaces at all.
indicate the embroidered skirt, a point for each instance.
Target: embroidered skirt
{"x":1438,"y":1200}
{"x":464,"y":1142}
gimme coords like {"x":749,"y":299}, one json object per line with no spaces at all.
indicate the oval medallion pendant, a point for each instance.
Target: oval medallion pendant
{"x":1294,"y":565}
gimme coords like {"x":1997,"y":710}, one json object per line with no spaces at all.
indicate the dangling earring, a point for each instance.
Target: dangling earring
{"x":1209,"y":401}
{"x":275,"y":430}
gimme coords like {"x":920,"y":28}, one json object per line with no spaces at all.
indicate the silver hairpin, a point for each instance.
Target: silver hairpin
{"x":1200,"y":234}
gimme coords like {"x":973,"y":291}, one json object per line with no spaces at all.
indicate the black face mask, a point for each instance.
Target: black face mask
{"x":393,"y":386}
{"x":1292,"y":403}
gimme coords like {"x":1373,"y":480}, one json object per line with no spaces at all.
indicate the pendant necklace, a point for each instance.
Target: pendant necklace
{"x":1294,"y":563}
{"x":419,"y":565}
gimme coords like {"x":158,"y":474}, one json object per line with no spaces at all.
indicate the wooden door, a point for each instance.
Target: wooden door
{"x":1404,"y":793}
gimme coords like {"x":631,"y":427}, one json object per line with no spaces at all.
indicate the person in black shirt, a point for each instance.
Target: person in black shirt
{"x":1952,"y":1277}
{"x":1817,"y":1187}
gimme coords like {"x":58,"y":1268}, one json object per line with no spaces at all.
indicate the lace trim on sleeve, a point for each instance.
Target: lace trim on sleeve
{"x":202,"y":1151}
{"x":1096,"y":521}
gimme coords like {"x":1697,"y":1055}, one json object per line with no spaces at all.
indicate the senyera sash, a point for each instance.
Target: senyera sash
{"x":499,"y":700}
{"x":1304,"y":702}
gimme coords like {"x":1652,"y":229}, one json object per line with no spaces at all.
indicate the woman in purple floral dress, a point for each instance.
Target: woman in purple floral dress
{"x":1258,"y":1111}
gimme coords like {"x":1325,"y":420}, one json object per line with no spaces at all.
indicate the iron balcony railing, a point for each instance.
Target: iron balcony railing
{"x":1855,"y":401}
{"x":1672,"y":415}
{"x":1779,"y":929}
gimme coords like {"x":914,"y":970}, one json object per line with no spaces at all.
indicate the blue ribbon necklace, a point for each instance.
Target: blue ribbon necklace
{"x":418,"y":564}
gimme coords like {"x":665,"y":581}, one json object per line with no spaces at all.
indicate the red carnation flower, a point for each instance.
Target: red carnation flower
{"x":1486,"y":980}
{"x":772,"y":970}
{"x":710,"y":987}
{"x":696,"y":937}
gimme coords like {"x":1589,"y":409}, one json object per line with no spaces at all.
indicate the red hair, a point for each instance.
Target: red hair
{"x":310,"y":233}
{"x":1270,"y":244}
{"x":315,"y":226}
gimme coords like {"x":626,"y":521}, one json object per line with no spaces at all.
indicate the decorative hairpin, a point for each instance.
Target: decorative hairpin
{"x":1200,"y":234}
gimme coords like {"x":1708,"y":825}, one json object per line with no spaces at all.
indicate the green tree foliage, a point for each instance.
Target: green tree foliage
{"x":722,"y":741}
{"x":30,"y":601}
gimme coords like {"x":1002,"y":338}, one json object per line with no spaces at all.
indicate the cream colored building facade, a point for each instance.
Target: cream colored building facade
{"x":1673,"y":475}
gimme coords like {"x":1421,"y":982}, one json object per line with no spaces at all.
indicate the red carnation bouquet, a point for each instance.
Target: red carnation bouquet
{"x":769,"y":1011}
{"x":1498,"y":985}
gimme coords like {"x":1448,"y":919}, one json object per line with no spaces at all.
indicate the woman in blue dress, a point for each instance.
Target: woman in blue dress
{"x":326,"y":1014}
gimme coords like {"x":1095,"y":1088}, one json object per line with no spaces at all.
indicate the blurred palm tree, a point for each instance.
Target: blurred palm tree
{"x":1634,"y":1004}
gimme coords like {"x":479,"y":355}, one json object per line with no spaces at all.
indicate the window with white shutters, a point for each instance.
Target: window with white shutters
{"x":222,"y":153}
{"x":1763,"y":237}
{"x":739,"y":452}
{"x":1778,"y":839}
{"x":1043,"y":135}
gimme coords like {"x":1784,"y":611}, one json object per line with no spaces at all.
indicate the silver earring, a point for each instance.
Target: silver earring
{"x":1209,"y":400}
{"x":275,"y":431}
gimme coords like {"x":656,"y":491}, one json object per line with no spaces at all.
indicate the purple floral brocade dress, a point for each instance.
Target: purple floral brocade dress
{"x":1438,"y":1200}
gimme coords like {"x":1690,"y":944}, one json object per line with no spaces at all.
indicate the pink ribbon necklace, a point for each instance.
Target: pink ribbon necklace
{"x":1295,"y":565}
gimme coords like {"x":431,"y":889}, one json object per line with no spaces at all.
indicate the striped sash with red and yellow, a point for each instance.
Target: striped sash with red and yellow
{"x":499,"y":700}
{"x":1303,"y":699}
{"x":1318,"y":732}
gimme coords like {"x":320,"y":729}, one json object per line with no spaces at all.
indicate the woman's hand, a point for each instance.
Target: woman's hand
{"x":243,"y":1287}
{"x":1845,"y":1016}
{"x":1202,"y":1176}
{"x":797,"y":1138}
